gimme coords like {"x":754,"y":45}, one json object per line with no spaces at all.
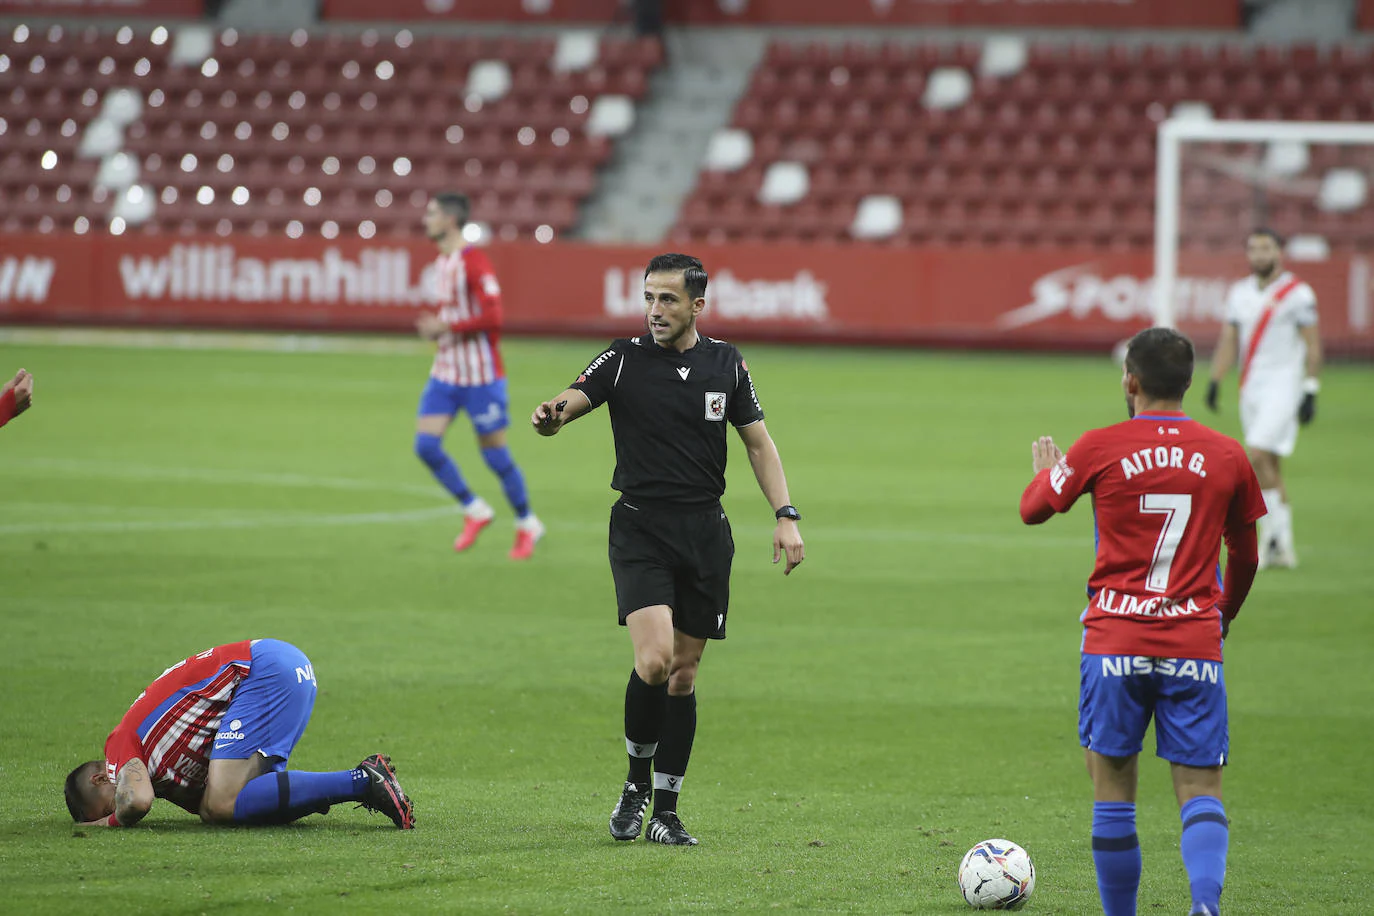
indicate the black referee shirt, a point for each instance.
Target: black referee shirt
{"x":668,"y":415}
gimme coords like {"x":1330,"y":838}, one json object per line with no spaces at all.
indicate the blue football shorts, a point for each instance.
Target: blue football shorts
{"x":486,"y":404}
{"x":271,"y":706}
{"x":1119,"y":694}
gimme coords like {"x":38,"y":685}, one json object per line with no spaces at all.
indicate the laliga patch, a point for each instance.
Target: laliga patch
{"x":715,"y":405}
{"x":1059,"y":474}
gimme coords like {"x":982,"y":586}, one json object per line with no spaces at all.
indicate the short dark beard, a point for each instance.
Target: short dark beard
{"x":1130,"y":407}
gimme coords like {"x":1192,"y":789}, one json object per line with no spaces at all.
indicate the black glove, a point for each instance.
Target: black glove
{"x":1212,"y":389}
{"x":1307,"y":409}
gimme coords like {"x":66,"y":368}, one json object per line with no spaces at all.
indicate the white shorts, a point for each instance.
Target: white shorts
{"x":1269,"y":414}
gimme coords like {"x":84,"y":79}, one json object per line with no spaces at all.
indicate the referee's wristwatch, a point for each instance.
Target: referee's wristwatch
{"x":789,"y":512}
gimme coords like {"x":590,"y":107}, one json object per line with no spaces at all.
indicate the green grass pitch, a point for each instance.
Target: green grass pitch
{"x":909,"y":691}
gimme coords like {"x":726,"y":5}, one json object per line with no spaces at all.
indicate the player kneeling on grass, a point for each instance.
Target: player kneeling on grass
{"x":1166,"y":492}
{"x":212,"y":734}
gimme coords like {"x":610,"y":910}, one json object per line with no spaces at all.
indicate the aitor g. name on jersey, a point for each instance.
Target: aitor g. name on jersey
{"x":669,"y":413}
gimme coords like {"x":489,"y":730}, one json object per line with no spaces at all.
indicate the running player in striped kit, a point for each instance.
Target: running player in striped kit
{"x":1271,"y":324}
{"x":212,"y":735}
{"x":467,"y":375}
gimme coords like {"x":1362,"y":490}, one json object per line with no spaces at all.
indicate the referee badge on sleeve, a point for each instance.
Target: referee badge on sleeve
{"x":715,"y":405}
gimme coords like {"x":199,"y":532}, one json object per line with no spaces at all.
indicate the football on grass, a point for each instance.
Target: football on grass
{"x":996,"y":875}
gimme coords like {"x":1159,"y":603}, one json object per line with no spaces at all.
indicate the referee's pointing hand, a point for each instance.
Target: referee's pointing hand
{"x":788,"y":540}
{"x":547,"y":418}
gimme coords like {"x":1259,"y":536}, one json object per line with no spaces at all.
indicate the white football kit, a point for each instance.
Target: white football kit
{"x":1272,"y":357}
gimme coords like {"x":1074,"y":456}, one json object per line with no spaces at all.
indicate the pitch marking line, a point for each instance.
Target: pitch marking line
{"x":65,"y":467}
{"x":213,"y":524}
{"x":213,"y":340}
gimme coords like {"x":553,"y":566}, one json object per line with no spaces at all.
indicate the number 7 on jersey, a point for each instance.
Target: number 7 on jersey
{"x":1176,"y":509}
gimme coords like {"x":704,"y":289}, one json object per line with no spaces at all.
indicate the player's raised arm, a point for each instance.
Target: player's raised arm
{"x":551,"y":416}
{"x":1036,"y":507}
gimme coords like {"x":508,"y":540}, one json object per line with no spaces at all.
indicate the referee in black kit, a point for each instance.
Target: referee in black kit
{"x":671,"y":392}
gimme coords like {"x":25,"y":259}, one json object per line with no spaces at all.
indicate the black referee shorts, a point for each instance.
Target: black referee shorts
{"x":678,"y":556}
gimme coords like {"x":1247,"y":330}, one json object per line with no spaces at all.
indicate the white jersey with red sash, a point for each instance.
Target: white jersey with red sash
{"x":1269,"y":322}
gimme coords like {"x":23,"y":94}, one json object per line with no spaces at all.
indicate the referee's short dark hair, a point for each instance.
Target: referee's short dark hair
{"x":1161,"y":359}
{"x":693,"y":274}
{"x":455,"y":205}
{"x":1265,"y":230}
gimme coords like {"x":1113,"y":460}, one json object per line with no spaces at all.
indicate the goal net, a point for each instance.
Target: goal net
{"x":1312,"y":182}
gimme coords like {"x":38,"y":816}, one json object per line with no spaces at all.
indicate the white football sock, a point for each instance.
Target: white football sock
{"x":1270,"y":523}
{"x":479,"y":510}
{"x":1284,"y":527}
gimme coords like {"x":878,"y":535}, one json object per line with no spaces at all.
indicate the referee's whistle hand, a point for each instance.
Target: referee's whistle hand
{"x":787,"y":541}
{"x":547,"y":418}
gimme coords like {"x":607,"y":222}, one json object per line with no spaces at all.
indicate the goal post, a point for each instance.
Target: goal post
{"x":1173,"y":134}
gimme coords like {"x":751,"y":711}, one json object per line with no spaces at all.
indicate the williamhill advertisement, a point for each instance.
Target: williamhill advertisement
{"x":858,"y":294}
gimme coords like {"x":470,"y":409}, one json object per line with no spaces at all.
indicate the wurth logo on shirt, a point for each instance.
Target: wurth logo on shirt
{"x":595,"y":364}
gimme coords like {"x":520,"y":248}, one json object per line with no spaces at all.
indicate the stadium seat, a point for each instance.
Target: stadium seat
{"x":879,"y":216}
{"x":730,"y":150}
{"x":611,"y":116}
{"x":1343,"y":190}
{"x":351,"y":115}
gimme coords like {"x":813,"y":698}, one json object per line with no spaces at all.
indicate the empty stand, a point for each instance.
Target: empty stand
{"x":1061,"y":152}
{"x":290,"y":134}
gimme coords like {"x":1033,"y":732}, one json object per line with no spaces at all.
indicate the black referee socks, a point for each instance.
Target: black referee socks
{"x":674,"y":750}
{"x":645,"y":706}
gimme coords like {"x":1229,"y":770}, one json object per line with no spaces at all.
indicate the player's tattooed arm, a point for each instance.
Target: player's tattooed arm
{"x":133,"y":793}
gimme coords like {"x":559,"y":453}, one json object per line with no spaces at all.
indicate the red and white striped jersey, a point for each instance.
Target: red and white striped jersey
{"x":1270,"y":321}
{"x":172,"y":725}
{"x":470,"y":304}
